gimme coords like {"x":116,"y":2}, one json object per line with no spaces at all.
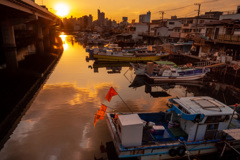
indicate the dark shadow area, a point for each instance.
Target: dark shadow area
{"x":18,"y":89}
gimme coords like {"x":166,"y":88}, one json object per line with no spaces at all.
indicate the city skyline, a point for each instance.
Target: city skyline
{"x":132,"y":9}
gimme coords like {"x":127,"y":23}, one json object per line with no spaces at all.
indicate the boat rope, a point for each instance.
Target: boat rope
{"x":187,"y":152}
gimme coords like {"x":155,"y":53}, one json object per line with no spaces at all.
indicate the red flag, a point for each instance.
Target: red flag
{"x":101,"y":113}
{"x":96,"y":119}
{"x":101,"y":117}
{"x":110,"y":93}
{"x":236,"y":105}
{"x":103,"y":108}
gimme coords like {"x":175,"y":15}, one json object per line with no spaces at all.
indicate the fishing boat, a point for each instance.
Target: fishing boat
{"x":141,"y":68}
{"x":133,"y":55}
{"x":176,"y":74}
{"x":193,"y":126}
{"x":126,"y":57}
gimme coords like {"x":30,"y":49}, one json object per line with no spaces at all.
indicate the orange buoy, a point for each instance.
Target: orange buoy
{"x":189,"y":64}
{"x":235,"y":67}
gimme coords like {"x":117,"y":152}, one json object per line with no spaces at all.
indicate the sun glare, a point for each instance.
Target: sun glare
{"x":62,"y":9}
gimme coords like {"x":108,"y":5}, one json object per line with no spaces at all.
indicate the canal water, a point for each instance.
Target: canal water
{"x":59,"y":124}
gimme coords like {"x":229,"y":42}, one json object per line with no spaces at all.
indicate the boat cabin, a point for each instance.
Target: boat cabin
{"x":201,"y":118}
{"x":189,"y":118}
{"x":176,"y":72}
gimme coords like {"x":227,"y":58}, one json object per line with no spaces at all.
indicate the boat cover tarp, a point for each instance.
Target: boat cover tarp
{"x":165,"y":62}
{"x":185,"y":116}
{"x":234,"y":133}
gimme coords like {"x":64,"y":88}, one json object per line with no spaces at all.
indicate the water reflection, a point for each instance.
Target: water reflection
{"x":57,"y":126}
{"x":59,"y":123}
{"x":65,"y":44}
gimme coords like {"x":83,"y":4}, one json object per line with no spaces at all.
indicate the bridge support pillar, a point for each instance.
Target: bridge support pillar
{"x":9,"y":46}
{"x":39,"y":43}
{"x":46,"y":35}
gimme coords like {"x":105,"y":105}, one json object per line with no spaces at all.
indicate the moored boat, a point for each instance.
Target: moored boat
{"x":192,"y":126}
{"x":141,"y":68}
{"x":177,"y":74}
{"x":139,"y":54}
{"x":128,"y":58}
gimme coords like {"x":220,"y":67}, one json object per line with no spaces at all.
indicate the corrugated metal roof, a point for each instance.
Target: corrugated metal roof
{"x":204,"y":105}
{"x":234,"y":133}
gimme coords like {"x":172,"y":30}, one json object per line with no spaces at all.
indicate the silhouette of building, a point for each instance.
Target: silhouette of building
{"x":238,"y":9}
{"x":101,"y":18}
{"x":90,"y":20}
{"x":145,"y":18}
{"x":124,"y":19}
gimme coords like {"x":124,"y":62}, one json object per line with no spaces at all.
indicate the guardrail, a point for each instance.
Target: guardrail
{"x":234,"y":38}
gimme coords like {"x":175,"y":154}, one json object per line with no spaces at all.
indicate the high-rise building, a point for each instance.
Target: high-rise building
{"x":90,"y":20}
{"x":124,"y":19}
{"x":238,"y":9}
{"x":145,"y":18}
{"x":101,"y":18}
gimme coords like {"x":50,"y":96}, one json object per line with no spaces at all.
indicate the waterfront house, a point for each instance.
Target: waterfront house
{"x":221,"y":38}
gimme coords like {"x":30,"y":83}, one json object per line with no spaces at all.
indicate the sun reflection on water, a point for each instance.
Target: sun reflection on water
{"x":65,"y":44}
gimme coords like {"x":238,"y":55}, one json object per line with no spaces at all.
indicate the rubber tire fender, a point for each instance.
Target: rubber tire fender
{"x":181,"y":150}
{"x":172,"y":152}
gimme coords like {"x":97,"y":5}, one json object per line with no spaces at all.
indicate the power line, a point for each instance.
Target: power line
{"x":176,"y":8}
{"x":188,"y":13}
{"x":187,"y":6}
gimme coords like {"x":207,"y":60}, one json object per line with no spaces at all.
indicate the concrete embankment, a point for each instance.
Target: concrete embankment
{"x":18,"y":90}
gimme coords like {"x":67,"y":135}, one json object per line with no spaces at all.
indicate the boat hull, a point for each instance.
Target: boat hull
{"x":162,"y":150}
{"x":177,"y":78}
{"x":127,"y":58}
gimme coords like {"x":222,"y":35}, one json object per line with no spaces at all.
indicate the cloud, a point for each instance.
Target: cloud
{"x":59,"y":125}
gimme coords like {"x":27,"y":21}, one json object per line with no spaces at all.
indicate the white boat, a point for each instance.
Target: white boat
{"x":192,"y":126}
{"x":177,"y":74}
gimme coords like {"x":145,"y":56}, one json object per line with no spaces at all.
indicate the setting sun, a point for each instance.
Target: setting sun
{"x":62,"y":9}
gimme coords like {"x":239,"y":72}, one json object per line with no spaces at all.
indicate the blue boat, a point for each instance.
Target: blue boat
{"x":177,"y":74}
{"x":192,"y":126}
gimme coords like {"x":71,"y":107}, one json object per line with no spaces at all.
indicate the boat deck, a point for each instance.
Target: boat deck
{"x":152,"y":135}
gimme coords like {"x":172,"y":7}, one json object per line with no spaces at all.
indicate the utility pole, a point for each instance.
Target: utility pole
{"x":162,"y":12}
{"x":199,"y":6}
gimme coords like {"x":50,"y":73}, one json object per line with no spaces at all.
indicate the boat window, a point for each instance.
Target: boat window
{"x":183,"y":110}
{"x":189,"y":72}
{"x":173,"y":71}
{"x":181,"y":73}
{"x":198,"y":71}
{"x":212,"y":126}
{"x":212,"y":119}
{"x":211,"y":131}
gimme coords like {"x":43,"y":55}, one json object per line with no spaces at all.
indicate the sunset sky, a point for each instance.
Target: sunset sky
{"x":133,"y":8}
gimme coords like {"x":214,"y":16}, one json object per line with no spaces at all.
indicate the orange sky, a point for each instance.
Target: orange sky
{"x":133,"y":8}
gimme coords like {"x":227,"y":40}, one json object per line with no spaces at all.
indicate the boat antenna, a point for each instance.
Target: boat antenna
{"x":235,"y":106}
{"x":124,"y":102}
